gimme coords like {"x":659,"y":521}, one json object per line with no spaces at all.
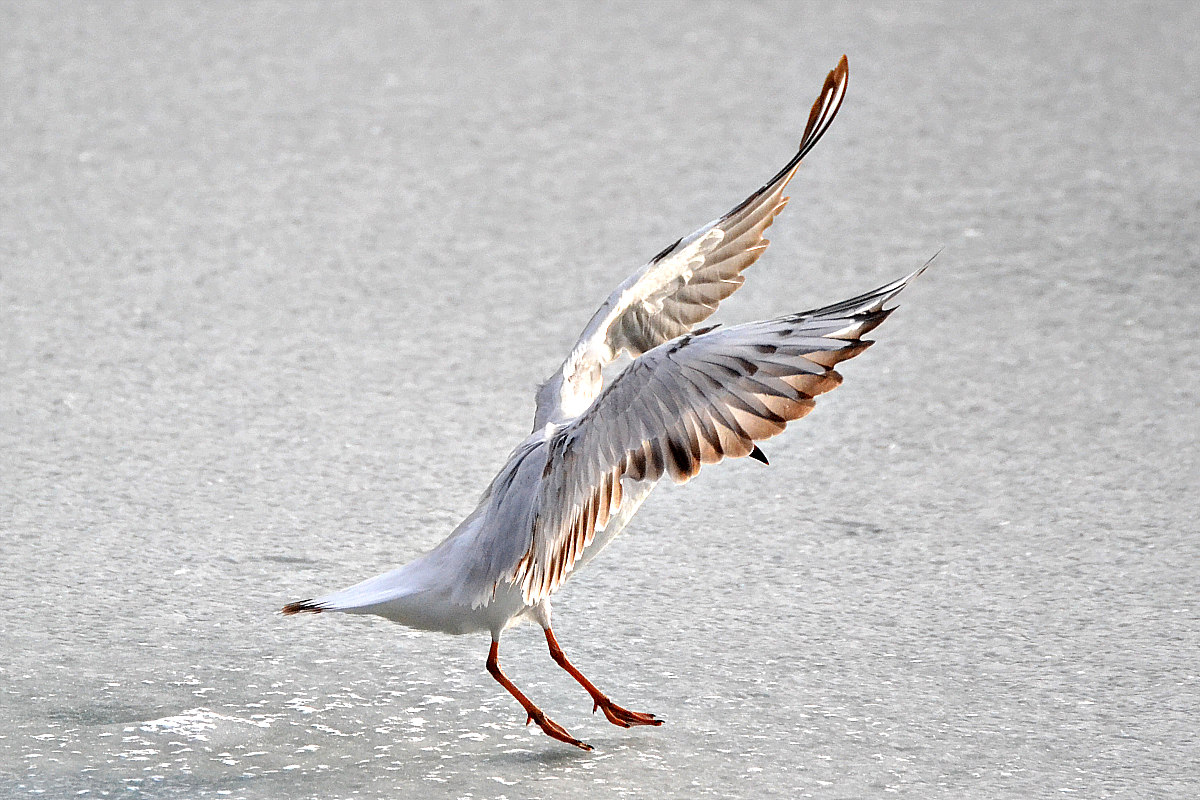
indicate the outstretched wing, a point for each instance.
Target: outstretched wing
{"x":683,"y":284}
{"x":691,"y":401}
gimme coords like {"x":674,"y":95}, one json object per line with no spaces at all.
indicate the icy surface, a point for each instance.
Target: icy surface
{"x":277,"y":283}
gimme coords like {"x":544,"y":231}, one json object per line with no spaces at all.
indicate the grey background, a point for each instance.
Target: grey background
{"x":277,"y":282}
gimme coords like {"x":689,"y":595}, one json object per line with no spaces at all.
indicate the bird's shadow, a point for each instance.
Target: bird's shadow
{"x":565,"y":755}
{"x":554,"y":756}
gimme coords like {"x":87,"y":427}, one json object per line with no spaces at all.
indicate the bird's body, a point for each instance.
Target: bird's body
{"x":689,"y":397}
{"x":457,"y":587}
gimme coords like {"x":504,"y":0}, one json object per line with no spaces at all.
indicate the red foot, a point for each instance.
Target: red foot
{"x":616,"y":715}
{"x":623,"y":716}
{"x":548,"y":726}
{"x":554,"y":730}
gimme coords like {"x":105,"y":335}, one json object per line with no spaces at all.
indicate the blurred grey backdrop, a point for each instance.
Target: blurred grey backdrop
{"x":277,"y":281}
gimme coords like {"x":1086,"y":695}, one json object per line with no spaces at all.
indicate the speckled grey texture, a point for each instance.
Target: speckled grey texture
{"x":276,"y":285}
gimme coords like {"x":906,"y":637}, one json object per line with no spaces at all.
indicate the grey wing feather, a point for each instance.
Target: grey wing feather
{"x":683,"y":284}
{"x":691,"y":401}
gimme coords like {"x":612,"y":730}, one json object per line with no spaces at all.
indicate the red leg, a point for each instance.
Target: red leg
{"x":548,"y":726}
{"x":616,"y":715}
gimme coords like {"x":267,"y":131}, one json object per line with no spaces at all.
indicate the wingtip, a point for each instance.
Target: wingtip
{"x":833,"y":91}
{"x":888,"y":293}
{"x":839,"y":72}
{"x":915,"y":273}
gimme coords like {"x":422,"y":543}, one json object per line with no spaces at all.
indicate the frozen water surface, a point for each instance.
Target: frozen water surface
{"x":277,"y":283}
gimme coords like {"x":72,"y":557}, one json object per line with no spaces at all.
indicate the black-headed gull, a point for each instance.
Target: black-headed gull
{"x":689,"y":397}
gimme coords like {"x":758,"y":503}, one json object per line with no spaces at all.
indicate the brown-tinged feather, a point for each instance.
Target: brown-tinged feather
{"x":831,"y":358}
{"x":785,"y":407}
{"x":637,"y":465}
{"x":656,"y":460}
{"x":754,"y":404}
{"x":680,"y":461}
{"x":708,"y":440}
{"x":758,"y":427}
{"x":863,"y":325}
{"x":303,"y":606}
{"x":813,"y":385}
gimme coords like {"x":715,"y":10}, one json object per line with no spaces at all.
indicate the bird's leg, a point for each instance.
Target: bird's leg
{"x":548,"y":726}
{"x":616,"y":715}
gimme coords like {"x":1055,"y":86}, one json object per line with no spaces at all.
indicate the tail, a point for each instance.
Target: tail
{"x":311,"y":606}
{"x":359,"y":598}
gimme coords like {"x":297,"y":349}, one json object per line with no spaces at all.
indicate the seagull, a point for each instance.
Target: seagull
{"x":689,"y":396}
